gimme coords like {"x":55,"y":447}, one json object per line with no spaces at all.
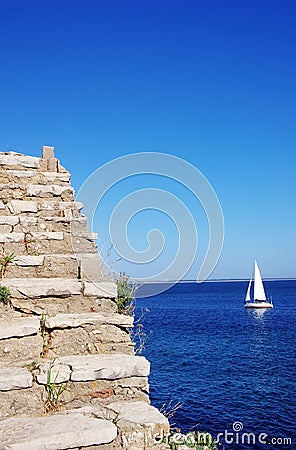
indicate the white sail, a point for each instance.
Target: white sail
{"x":248,"y":297}
{"x":259,"y":293}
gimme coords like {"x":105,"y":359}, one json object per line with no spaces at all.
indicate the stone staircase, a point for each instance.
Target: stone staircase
{"x":69,"y":377}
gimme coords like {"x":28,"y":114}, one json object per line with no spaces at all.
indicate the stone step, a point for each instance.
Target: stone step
{"x":52,"y":190}
{"x":19,"y":327}
{"x":18,"y":175}
{"x":52,"y":432}
{"x":49,"y":207}
{"x":16,"y":160}
{"x":94,"y":367}
{"x":42,"y":287}
{"x":36,"y":236}
{"x":44,"y":266}
{"x":76,"y":320}
{"x":21,"y":224}
{"x":16,"y":191}
{"x":54,"y":287}
{"x":12,"y":378}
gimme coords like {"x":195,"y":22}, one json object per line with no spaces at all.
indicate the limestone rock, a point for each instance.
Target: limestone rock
{"x":45,"y":287}
{"x":76,"y":320}
{"x":140,"y":413}
{"x":110,"y":367}
{"x":103,"y":289}
{"x":8,"y":220}
{"x":15,"y":378}
{"x":29,"y":260}
{"x":16,"y":159}
{"x":47,"y":190}
{"x":19,"y":327}
{"x":61,"y":431}
{"x":90,"y":266}
{"x":55,"y":372}
{"x":11,"y":237}
{"x":22,"y":206}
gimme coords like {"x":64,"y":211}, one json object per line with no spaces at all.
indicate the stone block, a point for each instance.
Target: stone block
{"x":110,"y":367}
{"x":22,"y":206}
{"x":15,"y":378}
{"x":24,"y":402}
{"x":60,"y":431}
{"x":48,"y":235}
{"x":103,"y":289}
{"x":47,"y":152}
{"x":76,"y":320}
{"x":11,"y":237}
{"x":57,"y":373}
{"x":27,"y":348}
{"x":29,"y":260}
{"x":52,"y":165}
{"x":16,"y":159}
{"x":19,"y":327}
{"x":9,"y":220}
{"x":42,"y":287}
{"x":47,"y":190}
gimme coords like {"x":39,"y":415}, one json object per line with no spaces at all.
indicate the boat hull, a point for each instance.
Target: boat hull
{"x":264,"y":305}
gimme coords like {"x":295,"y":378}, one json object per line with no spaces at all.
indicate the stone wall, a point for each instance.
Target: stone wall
{"x":69,"y":377}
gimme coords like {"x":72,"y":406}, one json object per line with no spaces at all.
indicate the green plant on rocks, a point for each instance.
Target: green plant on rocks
{"x":125,"y":295}
{"x":4,"y":295}
{"x":4,"y":263}
{"x":54,"y":390}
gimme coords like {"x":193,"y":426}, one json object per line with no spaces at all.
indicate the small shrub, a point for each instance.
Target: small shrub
{"x":53,"y":390}
{"x":125,"y":295}
{"x":4,"y":295}
{"x":4,"y":263}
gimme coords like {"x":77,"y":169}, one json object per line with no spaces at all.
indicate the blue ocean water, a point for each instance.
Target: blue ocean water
{"x":223,"y":363}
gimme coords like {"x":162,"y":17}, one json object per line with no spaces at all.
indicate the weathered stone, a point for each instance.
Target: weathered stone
{"x":102,"y":289}
{"x":22,"y":173}
{"x":29,"y":260}
{"x":16,"y":159}
{"x":140,"y":424}
{"x":2,"y":206}
{"x":61,"y":431}
{"x":47,"y":152}
{"x":45,"y":287}
{"x":52,"y":165}
{"x":19,"y":327}
{"x":48,"y":235}
{"x":11,"y":237}
{"x":14,"y":350}
{"x":47,"y":190}
{"x":15,"y":378}
{"x":111,"y":367}
{"x":26,"y":402}
{"x":53,"y":373}
{"x":90,"y":266}
{"x":27,"y":221}
{"x":139,"y":413}
{"x":9,"y":220}
{"x":22,"y":206}
{"x":76,"y":320}
{"x":53,"y":177}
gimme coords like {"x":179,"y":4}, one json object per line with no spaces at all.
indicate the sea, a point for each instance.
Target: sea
{"x":226,"y":370}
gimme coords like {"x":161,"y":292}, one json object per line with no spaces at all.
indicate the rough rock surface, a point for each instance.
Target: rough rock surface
{"x":55,"y":432}
{"x":69,"y":377}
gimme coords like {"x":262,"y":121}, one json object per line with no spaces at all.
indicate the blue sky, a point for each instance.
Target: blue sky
{"x":212,"y":82}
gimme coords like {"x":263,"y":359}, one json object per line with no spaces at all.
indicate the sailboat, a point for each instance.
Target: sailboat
{"x":257,"y":298}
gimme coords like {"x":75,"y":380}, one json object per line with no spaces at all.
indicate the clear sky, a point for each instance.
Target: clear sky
{"x":212,"y":82}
